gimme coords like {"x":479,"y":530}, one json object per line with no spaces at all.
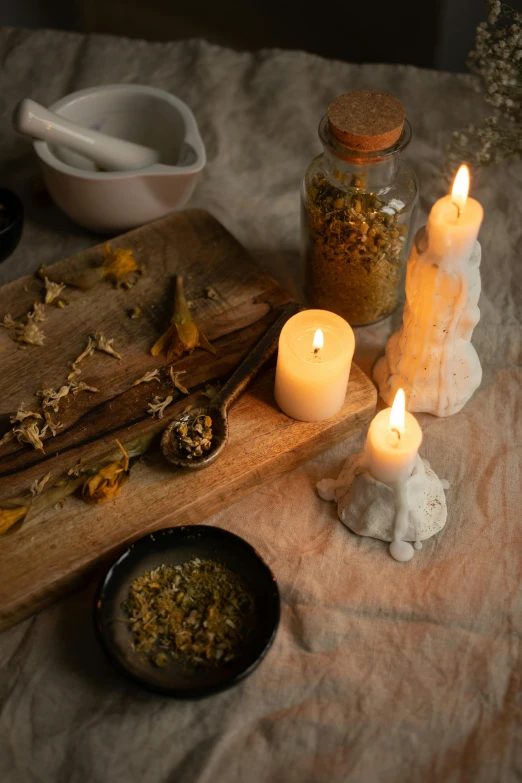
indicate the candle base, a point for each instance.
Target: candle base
{"x":370,"y":508}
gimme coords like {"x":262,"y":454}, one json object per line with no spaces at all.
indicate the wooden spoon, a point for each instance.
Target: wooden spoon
{"x":217,"y":409}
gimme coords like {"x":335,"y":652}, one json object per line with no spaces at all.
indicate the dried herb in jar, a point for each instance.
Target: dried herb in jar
{"x":198,"y":613}
{"x":355,"y":248}
{"x":359,"y":200}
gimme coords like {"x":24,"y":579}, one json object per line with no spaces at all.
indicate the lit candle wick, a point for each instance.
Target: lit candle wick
{"x":318,"y":341}
{"x":460,"y":189}
{"x":397,"y":416}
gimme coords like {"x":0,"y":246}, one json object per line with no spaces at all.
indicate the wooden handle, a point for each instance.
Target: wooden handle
{"x":250,"y":366}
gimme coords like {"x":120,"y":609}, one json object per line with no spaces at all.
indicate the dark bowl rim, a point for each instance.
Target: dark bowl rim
{"x":16,"y":201}
{"x":196,"y":693}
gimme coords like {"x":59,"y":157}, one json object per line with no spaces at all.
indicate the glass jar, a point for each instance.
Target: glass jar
{"x":358,"y":211}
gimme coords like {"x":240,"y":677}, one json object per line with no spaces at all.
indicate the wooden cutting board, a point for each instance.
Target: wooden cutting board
{"x":47,"y":555}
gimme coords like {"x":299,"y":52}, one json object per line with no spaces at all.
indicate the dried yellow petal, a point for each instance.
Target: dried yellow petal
{"x":158,"y":406}
{"x":37,"y":486}
{"x":22,"y":414}
{"x":10,"y":516}
{"x":28,"y":432}
{"x":174,"y":377}
{"x":29,"y":333}
{"x":183,"y":335}
{"x":51,"y":398}
{"x":88,"y":351}
{"x":153,"y":375}
{"x":8,"y":322}
{"x":52,"y":290}
{"x":80,"y":386}
{"x":118,"y":263}
{"x":108,"y":481}
{"x":102,"y":344}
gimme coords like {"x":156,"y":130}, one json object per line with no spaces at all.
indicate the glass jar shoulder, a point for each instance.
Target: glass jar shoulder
{"x":322,"y":179}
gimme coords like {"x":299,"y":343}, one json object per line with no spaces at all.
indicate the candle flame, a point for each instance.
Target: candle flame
{"x":397,"y":411}
{"x":460,"y":189}
{"x":318,"y":341}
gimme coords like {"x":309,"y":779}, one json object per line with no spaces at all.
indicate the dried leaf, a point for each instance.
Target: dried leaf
{"x":56,"y":494}
{"x":108,"y":481}
{"x":82,"y":278}
{"x":153,"y":375}
{"x":37,"y":486}
{"x":174,"y":377}
{"x":10,"y":516}
{"x":158,"y":406}
{"x":52,"y":290}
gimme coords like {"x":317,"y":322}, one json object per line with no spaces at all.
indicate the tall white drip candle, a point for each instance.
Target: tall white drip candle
{"x":392,"y":443}
{"x":313,"y":365}
{"x":431,"y":356}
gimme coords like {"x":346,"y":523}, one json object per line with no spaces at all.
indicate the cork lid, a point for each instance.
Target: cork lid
{"x":366,"y":120}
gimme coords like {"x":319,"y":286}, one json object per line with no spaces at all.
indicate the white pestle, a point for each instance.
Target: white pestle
{"x":108,"y":152}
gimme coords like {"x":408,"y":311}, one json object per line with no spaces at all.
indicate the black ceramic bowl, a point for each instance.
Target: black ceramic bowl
{"x":173,"y":546}
{"x":11,"y":222}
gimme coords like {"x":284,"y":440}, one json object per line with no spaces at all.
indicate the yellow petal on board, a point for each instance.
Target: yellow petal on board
{"x":118,"y":263}
{"x":107,"y":483}
{"x":10,"y":516}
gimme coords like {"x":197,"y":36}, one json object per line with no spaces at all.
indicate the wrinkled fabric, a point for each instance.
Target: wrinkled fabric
{"x":380,"y":671}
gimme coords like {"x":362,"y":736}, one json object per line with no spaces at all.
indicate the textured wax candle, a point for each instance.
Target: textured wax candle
{"x":313,"y":365}
{"x":431,"y":356}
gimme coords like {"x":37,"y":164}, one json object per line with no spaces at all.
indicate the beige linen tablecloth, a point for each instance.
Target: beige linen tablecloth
{"x":380,"y":672}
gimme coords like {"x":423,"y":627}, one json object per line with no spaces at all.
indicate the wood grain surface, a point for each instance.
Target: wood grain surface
{"x":49,"y":554}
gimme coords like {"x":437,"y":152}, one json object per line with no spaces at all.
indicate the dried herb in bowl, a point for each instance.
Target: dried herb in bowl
{"x":198,"y":613}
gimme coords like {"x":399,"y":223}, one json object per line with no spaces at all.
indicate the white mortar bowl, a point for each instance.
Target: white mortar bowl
{"x":109,"y":202}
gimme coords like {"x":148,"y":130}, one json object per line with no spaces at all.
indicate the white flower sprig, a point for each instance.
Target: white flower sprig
{"x":497,"y":62}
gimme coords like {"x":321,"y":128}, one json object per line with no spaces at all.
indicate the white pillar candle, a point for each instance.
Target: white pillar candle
{"x":313,"y":365}
{"x":392,"y":443}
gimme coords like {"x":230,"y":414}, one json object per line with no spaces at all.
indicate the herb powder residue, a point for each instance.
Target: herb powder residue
{"x":354,"y":251}
{"x":198,"y":613}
